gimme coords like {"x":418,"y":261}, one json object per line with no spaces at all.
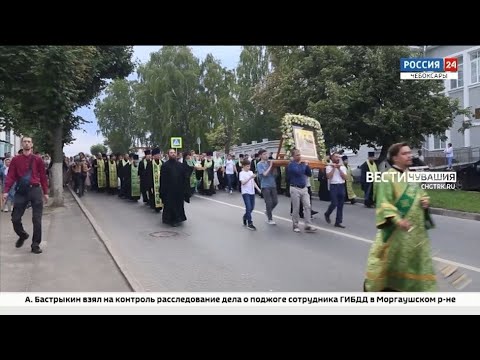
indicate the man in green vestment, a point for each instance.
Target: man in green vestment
{"x":400,"y":258}
{"x":135,"y":180}
{"x":112,"y":174}
{"x":152,"y":181}
{"x":100,"y":172}
{"x":350,"y":194}
{"x":207,"y":187}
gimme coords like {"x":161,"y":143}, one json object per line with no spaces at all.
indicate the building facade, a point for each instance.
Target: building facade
{"x":466,"y":89}
{"x":9,"y":143}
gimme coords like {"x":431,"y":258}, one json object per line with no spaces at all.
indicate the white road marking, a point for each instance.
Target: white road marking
{"x":350,"y":236}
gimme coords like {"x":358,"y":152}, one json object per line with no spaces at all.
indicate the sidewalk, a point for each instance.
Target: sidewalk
{"x":73,"y":258}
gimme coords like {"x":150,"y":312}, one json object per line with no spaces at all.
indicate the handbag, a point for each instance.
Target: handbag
{"x":23,"y":185}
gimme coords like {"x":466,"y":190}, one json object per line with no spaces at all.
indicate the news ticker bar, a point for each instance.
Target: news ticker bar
{"x":428,"y":76}
{"x":42,"y":300}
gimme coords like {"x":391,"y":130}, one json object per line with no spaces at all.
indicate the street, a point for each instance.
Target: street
{"x":212,"y":251}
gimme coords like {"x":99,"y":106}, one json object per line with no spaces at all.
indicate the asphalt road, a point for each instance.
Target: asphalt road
{"x":212,"y":251}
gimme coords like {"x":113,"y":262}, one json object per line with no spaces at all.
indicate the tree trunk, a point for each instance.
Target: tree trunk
{"x":227,"y":147}
{"x":383,"y":153}
{"x":57,"y":168}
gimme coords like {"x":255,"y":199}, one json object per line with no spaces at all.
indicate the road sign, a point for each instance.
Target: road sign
{"x":199,"y":141}
{"x":176,"y":142}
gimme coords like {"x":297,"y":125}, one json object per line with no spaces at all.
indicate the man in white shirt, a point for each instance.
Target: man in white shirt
{"x":336,"y":175}
{"x":449,"y":155}
{"x":230,"y":172}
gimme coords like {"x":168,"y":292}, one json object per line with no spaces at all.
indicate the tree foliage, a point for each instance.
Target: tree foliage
{"x":41,"y":87}
{"x":357,"y":95}
{"x":117,"y":116}
{"x":98,"y":149}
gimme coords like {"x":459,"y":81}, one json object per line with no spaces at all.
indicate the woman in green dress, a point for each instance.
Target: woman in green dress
{"x":400,"y":258}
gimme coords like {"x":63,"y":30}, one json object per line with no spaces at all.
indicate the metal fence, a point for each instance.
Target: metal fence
{"x":460,"y":155}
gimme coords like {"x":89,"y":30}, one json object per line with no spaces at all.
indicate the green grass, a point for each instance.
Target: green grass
{"x":468,"y":201}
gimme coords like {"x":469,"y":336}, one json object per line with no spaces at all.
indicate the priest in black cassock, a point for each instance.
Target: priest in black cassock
{"x":122,"y":162}
{"x":369,"y":187}
{"x":127,"y":177}
{"x":142,"y":167}
{"x":174,"y":190}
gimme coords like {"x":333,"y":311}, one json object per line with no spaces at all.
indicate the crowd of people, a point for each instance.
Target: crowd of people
{"x":399,"y":259}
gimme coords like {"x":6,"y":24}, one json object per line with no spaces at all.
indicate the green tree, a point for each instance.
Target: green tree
{"x":220,"y":138}
{"x":220,"y":108}
{"x":117,"y":116}
{"x":256,"y":122}
{"x":43,"y":86}
{"x":168,"y":96}
{"x":98,"y":149}
{"x":357,"y":95}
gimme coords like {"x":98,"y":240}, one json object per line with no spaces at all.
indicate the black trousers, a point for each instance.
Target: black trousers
{"x":123,"y":190}
{"x":79,"y":183}
{"x":145,"y":194}
{"x":35,"y":197}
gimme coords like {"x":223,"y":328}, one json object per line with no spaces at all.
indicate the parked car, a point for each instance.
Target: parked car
{"x":468,"y":177}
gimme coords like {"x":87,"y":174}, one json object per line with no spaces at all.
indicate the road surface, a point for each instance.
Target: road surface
{"x":212,"y":251}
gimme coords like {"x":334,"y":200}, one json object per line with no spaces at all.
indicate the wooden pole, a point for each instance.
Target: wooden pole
{"x":279,"y":147}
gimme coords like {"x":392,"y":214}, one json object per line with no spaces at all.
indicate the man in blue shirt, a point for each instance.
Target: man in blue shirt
{"x":268,"y":185}
{"x":296,"y":171}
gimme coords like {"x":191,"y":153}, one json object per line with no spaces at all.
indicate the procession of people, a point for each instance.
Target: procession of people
{"x":399,"y":259}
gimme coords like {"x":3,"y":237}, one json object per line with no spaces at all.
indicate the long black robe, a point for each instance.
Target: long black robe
{"x":367,"y":187}
{"x":149,"y":184}
{"x":94,"y":179}
{"x":120,"y":175}
{"x":323,"y":192}
{"x":174,"y":190}
{"x":142,"y":167}
{"x":107,"y":175}
{"x":127,"y":178}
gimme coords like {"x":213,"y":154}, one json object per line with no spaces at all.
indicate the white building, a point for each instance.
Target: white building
{"x":9,"y":143}
{"x":467,"y":90}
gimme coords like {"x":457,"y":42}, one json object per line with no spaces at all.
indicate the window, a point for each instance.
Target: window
{"x":7,"y":136}
{"x":475,"y":67}
{"x":438,"y":143}
{"x":454,"y":84}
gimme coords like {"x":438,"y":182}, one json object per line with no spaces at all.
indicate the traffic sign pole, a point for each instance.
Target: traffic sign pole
{"x":199,"y":141}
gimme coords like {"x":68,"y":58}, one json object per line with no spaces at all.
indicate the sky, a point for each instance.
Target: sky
{"x":85,"y":138}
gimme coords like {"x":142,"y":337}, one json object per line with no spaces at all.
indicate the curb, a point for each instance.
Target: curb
{"x":132,"y":282}
{"x":445,"y":212}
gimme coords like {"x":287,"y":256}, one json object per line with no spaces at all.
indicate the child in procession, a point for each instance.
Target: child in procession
{"x":247,"y":181}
